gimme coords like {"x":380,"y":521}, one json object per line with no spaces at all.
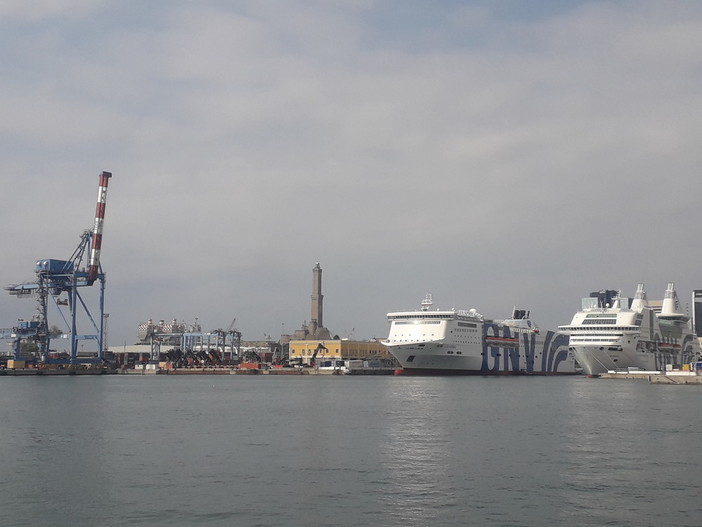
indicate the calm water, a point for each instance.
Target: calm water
{"x":348,"y":451}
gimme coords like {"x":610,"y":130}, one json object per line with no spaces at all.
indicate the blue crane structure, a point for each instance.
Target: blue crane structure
{"x":58,"y":284}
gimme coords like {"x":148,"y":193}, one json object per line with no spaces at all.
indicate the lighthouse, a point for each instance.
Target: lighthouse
{"x":317,"y":299}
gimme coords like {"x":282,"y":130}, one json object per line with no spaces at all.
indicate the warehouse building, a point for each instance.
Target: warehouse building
{"x":310,"y":351}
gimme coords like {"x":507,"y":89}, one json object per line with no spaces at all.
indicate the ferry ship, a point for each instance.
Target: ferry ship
{"x":463,"y":342}
{"x":612,"y":333}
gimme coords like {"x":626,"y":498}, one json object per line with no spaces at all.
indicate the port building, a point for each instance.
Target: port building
{"x":315,"y":351}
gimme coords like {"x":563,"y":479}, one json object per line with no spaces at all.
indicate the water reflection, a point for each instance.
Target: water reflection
{"x":628,"y":454}
{"x":348,"y":451}
{"x":417,"y":454}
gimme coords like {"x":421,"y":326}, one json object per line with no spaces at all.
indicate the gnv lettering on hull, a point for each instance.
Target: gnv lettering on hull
{"x":557,"y":350}
{"x":498,"y":359}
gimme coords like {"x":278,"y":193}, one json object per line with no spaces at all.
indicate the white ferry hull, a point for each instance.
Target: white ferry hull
{"x":534,"y":355}
{"x":460,"y":342}
{"x":613,"y":333}
{"x":596,"y":361}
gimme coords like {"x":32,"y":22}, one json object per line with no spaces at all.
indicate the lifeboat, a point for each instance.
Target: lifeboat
{"x":503,"y":342}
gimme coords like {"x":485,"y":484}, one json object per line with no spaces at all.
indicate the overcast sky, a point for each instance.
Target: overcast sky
{"x":492,"y":153}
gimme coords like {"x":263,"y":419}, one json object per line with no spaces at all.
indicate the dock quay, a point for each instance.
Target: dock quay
{"x":675,"y":379}
{"x":24,"y":372}
{"x":52,"y":372}
{"x":656,"y":377}
{"x":257,"y":371}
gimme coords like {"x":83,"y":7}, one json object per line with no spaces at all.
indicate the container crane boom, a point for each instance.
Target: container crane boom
{"x":94,"y":263}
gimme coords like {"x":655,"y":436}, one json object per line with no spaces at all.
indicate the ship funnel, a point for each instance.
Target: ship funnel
{"x":671,"y":304}
{"x":639,"y":301}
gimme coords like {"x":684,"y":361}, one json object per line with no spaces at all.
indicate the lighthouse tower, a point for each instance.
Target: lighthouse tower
{"x":317,"y":299}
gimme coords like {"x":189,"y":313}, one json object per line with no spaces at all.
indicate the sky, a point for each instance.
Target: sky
{"x":492,"y":153}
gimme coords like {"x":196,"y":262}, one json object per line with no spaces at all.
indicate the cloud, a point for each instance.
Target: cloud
{"x":491,"y":155}
{"x":40,"y":10}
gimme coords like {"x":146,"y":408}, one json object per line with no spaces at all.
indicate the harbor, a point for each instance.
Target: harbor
{"x":61,"y":291}
{"x":611,"y":333}
{"x":341,"y":264}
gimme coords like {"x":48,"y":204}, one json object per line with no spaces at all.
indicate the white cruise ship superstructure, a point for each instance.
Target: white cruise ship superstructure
{"x":463,"y":342}
{"x":612,"y":332}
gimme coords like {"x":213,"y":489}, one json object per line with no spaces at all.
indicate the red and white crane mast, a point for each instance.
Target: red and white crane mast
{"x":94,"y":263}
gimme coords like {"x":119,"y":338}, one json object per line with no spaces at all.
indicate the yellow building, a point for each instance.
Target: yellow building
{"x":304,"y":350}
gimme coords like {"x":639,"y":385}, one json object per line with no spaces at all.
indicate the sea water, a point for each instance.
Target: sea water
{"x":348,"y":451}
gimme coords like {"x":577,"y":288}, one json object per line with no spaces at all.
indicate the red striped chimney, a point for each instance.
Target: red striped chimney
{"x":94,"y":263}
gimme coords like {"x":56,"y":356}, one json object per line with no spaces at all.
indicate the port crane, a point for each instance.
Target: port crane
{"x":320,"y":347}
{"x":205,"y":348}
{"x":231,"y":335}
{"x":58,"y":283}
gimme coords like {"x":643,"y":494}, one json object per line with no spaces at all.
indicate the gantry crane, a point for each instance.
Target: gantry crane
{"x":56,"y":277}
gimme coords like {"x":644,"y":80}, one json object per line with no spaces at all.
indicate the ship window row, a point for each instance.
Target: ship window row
{"x":466,"y":325}
{"x":600,"y":321}
{"x":403,"y":323}
{"x":615,"y":328}
{"x":422,"y":317}
{"x":589,"y":335}
{"x":590,"y":340}
{"x":410,"y":338}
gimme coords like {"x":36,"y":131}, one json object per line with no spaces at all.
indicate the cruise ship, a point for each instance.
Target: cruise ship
{"x":463,"y":342}
{"x":612,"y":333}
